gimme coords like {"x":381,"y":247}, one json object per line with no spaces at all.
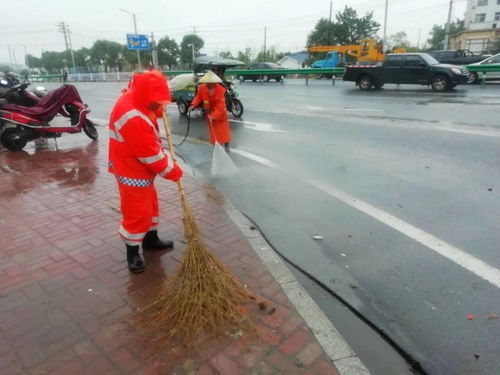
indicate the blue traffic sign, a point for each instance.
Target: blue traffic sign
{"x":137,"y":41}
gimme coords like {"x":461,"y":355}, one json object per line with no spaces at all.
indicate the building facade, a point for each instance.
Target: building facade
{"x":482,"y":14}
{"x":482,"y":27}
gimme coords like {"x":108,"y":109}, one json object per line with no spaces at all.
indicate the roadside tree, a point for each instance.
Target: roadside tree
{"x":186,"y":50}
{"x":348,"y":28}
{"x":168,"y":52}
{"x":438,"y":33}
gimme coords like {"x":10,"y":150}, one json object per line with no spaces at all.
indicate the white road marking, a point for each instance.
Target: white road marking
{"x":396,"y":122}
{"x":315,"y":108}
{"x":259,"y":126}
{"x":361,"y":109}
{"x":254,"y":157}
{"x":453,"y":253}
{"x":460,"y":257}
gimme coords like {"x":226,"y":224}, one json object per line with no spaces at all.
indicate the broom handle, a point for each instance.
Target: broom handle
{"x":180,"y":187}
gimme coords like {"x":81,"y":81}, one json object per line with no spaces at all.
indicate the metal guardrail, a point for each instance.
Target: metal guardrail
{"x":483,"y":68}
{"x":124,"y":76}
{"x":308,"y":71}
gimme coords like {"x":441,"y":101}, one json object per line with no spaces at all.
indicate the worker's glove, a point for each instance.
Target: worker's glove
{"x":175,"y":174}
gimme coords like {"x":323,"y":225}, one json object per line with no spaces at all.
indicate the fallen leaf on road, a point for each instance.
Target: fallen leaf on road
{"x":470,"y":316}
{"x":476,"y":356}
{"x":493,"y":316}
{"x":272,"y":311}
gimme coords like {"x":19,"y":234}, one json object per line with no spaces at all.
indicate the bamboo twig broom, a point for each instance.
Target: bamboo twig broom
{"x":202,"y":297}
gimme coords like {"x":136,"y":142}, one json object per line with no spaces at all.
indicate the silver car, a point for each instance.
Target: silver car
{"x":493,"y":60}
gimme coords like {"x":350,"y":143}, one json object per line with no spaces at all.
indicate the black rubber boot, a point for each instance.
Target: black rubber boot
{"x":226,"y":147}
{"x":134,"y":260}
{"x":151,"y":241}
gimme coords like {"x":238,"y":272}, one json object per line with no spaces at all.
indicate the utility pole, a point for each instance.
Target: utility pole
{"x":265,"y":42}
{"x":63,"y":28}
{"x":330,"y":24}
{"x":192,"y":53}
{"x":448,"y":24}
{"x":385,"y":26}
{"x":419,"y":33}
{"x":154,"y":53}
{"x":139,"y":66}
{"x":194,"y":30}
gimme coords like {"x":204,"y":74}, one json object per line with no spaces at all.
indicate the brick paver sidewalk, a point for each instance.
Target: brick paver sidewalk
{"x":66,"y":294}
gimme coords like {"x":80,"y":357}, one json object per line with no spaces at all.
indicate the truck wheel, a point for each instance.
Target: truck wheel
{"x":318,"y":76}
{"x":365,"y":83}
{"x":440,"y":83}
{"x":266,"y":78}
{"x":242,"y":78}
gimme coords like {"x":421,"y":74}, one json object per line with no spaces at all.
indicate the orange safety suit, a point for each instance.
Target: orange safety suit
{"x":215,"y":103}
{"x":136,"y":156}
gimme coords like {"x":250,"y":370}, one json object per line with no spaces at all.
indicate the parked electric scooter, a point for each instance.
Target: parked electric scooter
{"x":21,"y":124}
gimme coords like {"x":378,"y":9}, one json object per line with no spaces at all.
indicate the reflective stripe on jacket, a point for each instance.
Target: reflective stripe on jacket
{"x":135,"y":150}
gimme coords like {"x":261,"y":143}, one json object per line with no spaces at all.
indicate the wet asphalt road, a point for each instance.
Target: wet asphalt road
{"x":375,"y":174}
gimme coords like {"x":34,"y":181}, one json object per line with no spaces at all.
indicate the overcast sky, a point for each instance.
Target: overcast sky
{"x":223,"y":24}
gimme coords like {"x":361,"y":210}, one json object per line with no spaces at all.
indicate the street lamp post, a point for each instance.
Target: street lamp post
{"x":135,"y":30}
{"x":385,"y":26}
{"x":192,"y":53}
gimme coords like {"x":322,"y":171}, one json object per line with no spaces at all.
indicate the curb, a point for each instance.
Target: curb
{"x":332,"y":342}
{"x":338,"y":350}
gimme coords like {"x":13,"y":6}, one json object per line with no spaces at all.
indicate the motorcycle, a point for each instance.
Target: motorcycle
{"x":184,"y":87}
{"x":21,"y":124}
{"x":16,"y":92}
{"x":233,"y":104}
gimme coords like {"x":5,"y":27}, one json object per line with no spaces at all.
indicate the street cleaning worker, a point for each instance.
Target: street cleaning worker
{"x":212,"y":94}
{"x":136,"y":157}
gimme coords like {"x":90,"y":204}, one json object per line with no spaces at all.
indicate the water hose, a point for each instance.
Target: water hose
{"x":187,"y":130}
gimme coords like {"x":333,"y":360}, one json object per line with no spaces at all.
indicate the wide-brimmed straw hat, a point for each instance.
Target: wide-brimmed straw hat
{"x":210,"y":77}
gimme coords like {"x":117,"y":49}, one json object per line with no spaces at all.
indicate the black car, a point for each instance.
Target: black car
{"x":456,"y":57}
{"x":265,"y":77}
{"x":408,"y":68}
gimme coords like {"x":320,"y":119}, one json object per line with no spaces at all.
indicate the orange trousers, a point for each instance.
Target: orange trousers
{"x":139,"y":208}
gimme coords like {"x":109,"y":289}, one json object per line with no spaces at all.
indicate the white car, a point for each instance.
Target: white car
{"x":493,"y":60}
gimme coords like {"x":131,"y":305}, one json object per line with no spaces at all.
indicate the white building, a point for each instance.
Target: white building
{"x":294,"y":60}
{"x":482,"y":27}
{"x":482,"y":14}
